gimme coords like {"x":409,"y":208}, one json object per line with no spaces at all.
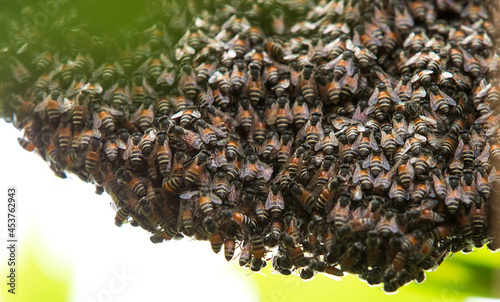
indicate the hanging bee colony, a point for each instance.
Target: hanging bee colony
{"x":348,"y":136}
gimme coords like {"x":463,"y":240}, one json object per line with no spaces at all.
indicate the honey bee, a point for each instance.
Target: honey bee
{"x":238,"y":78}
{"x":362,"y":176}
{"x":312,"y":132}
{"x":108,"y":71}
{"x":455,"y":195}
{"x":339,"y":213}
{"x":440,"y":100}
{"x":387,"y":225}
{"x":253,"y":168}
{"x":175,"y":180}
{"x":206,"y":198}
{"x":51,"y":106}
{"x":26,"y":145}
{"x":308,"y":87}
{"x":133,"y":152}
{"x":188,"y":83}
{"x":133,"y":183}
{"x":365,"y":142}
{"x":119,"y":94}
{"x":245,"y":115}
{"x":246,"y":254}
{"x":229,"y":248}
{"x":280,"y":114}
{"x":402,"y":18}
{"x":474,"y":11}
{"x":191,"y":138}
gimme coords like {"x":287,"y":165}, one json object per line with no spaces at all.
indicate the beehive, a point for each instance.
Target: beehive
{"x":328,"y":137}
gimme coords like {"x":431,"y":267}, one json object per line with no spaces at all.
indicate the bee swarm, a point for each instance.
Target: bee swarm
{"x":329,"y":137}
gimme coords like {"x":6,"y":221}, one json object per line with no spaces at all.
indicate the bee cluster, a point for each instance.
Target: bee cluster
{"x":344,"y":136}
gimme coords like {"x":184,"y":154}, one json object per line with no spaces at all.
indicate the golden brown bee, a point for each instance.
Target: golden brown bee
{"x":307,"y":83}
{"x":363,"y":177}
{"x":474,"y":11}
{"x":133,"y":152}
{"x":229,"y":248}
{"x":455,"y":195}
{"x":312,"y":132}
{"x":339,"y":213}
{"x":133,"y":183}
{"x":51,"y":106}
{"x":275,"y":202}
{"x":246,"y":254}
{"x":402,"y":18}
{"x":195,"y":168}
{"x":342,"y":65}
{"x":26,"y":144}
{"x":122,"y":215}
{"x":216,"y":242}
{"x":175,"y":180}
{"x":188,"y":83}
{"x":405,"y":172}
{"x":245,"y":115}
{"x":280,"y":114}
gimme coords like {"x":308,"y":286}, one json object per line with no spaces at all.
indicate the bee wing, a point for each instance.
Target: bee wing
{"x":189,"y":194}
{"x":184,"y":39}
{"x":373,"y":98}
{"x":350,"y":67}
{"x":331,"y":65}
{"x":356,"y":176}
{"x":469,"y":60}
{"x":271,"y":118}
{"x":448,"y":99}
{"x":385,"y":162}
{"x":485,"y":154}
{"x":356,"y":143}
{"x":215,"y":199}
{"x":487,"y":40}
{"x":265,"y":171}
{"x":41,"y":106}
{"x":204,"y":136}
{"x":178,"y":114}
{"x":192,"y":139}
{"x":433,"y":101}
{"x":143,"y":67}
{"x":230,"y":122}
{"x":245,"y":170}
{"x":408,"y":40}
{"x":465,"y":198}
{"x":114,"y":111}
{"x":321,"y":136}
{"x":216,"y":130}
{"x":413,"y":59}
{"x":167,"y":77}
{"x":128,"y":151}
{"x":135,"y":117}
{"x":493,"y":175}
{"x":109,"y":93}
{"x":380,"y":177}
{"x":468,"y":39}
{"x":373,"y":142}
{"x":459,"y":149}
{"x":484,"y":91}
{"x":302,"y":133}
{"x":148,"y":88}
{"x":367,"y":161}
{"x":97,"y":121}
{"x":352,"y":82}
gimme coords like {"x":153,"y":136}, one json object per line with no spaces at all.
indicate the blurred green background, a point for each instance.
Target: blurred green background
{"x":463,"y":276}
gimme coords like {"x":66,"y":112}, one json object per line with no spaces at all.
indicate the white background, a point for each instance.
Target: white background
{"x":76,"y":228}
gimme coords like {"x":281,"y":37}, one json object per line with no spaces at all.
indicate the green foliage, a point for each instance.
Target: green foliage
{"x":459,"y":277}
